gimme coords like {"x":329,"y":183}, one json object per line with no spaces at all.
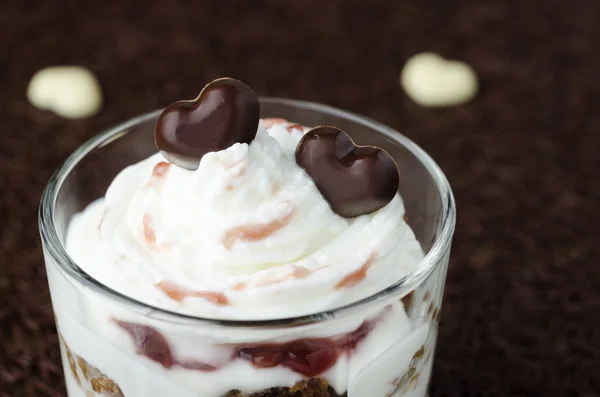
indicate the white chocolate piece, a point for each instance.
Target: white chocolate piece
{"x":71,"y":92}
{"x":430,"y":80}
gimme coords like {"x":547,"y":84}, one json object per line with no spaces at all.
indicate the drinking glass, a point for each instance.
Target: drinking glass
{"x":114,"y":345}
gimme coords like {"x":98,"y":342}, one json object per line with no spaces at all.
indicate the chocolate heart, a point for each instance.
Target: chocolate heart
{"x":355,"y":180}
{"x":226,"y":112}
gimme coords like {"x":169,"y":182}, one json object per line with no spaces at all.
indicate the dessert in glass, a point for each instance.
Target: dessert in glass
{"x":243,"y":246}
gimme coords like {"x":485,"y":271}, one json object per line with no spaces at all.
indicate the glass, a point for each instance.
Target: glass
{"x":113,"y":345}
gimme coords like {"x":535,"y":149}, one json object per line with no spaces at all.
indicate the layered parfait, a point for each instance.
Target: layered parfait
{"x":242,"y":219}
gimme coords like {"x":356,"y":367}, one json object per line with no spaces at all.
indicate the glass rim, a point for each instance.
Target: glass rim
{"x":53,"y":245}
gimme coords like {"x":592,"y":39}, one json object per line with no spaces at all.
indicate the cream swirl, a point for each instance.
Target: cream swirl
{"x":247,"y":236}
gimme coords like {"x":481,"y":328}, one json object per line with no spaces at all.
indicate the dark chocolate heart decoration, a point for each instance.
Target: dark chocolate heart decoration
{"x":355,"y":180}
{"x":226,"y":112}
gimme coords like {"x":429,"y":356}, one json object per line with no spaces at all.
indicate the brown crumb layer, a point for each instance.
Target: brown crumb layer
{"x":306,"y":388}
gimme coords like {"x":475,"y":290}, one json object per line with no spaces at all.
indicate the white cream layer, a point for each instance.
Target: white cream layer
{"x":245,"y":236}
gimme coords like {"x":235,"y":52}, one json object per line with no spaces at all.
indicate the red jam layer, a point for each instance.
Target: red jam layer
{"x":309,"y":357}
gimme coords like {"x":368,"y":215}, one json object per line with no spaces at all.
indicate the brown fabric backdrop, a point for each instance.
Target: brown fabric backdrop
{"x":521,"y":307}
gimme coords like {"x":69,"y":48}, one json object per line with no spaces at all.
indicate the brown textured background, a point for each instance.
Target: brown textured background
{"x":521,"y":312}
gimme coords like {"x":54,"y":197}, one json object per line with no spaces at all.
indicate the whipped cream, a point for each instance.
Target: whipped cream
{"x":245,"y":236}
